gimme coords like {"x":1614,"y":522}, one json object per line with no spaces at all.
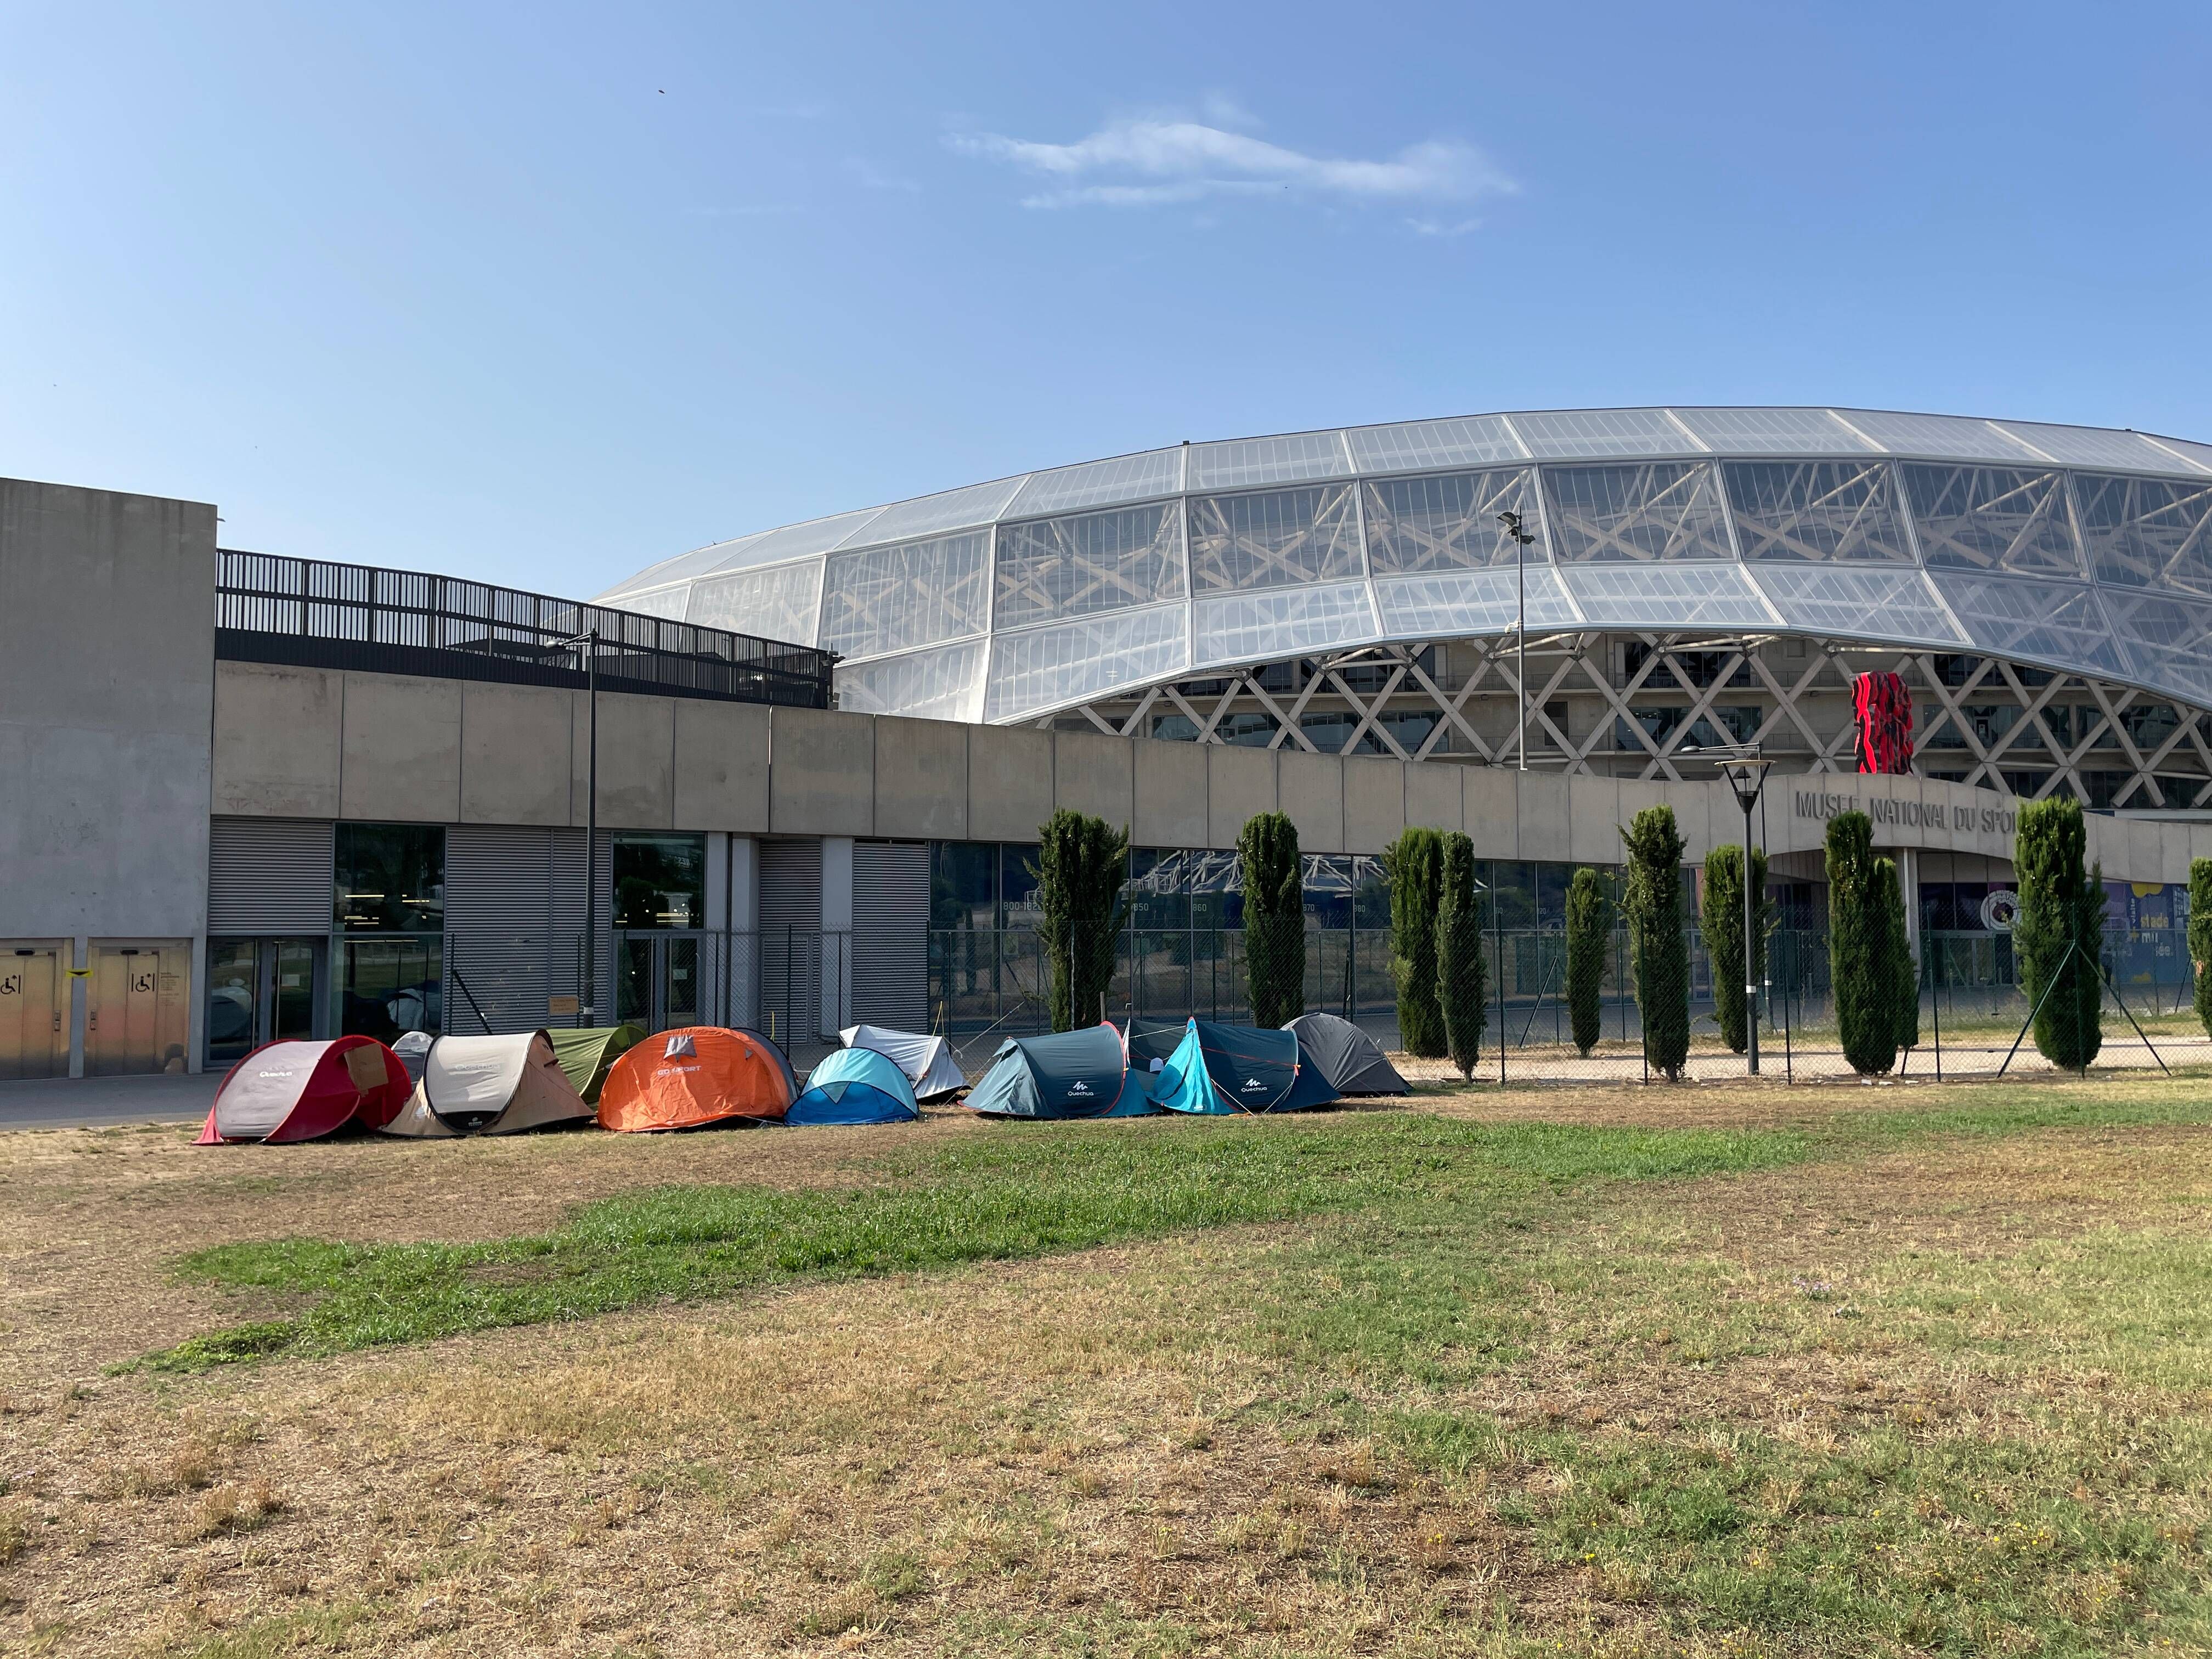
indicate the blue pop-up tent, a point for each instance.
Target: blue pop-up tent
{"x":854,"y":1085}
{"x":1070,"y":1074}
{"x":1223,"y":1069}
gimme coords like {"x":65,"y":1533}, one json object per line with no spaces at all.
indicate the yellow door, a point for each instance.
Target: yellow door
{"x":33,"y":1013}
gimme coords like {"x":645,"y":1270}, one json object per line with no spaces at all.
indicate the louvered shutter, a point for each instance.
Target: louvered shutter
{"x":890,"y":933}
{"x":270,"y":876}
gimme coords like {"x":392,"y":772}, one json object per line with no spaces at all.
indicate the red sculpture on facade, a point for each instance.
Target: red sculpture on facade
{"x":1883,"y":710}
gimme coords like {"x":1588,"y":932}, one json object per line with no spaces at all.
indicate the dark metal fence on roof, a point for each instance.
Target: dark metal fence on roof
{"x":272,"y":607}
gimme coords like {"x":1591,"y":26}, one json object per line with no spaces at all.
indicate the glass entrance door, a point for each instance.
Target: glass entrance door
{"x":259,"y":990}
{"x":657,"y":980}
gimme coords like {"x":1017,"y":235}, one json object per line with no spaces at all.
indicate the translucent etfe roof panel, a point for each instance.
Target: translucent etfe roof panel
{"x":1956,"y":435}
{"x":1473,"y":441}
{"x":1848,"y":603}
{"x":2007,"y":519}
{"x":1450,"y":521}
{"x":683,"y":567}
{"x":943,"y":684}
{"x":668,"y":602}
{"x":1471,"y":603}
{"x":1772,"y":431}
{"x":879,"y":599}
{"x":1088,"y":562}
{"x":1577,"y":433}
{"x":1817,"y":511}
{"x":1274,"y":538}
{"x":2169,"y":640}
{"x":1667,"y":596}
{"x":2201,"y":454}
{"x":2148,"y":533}
{"x":1244,"y":462}
{"x":1253,"y":627}
{"x":778,"y":602}
{"x":926,"y":515}
{"x":2090,"y":445}
{"x":1040,"y":669}
{"x":795,"y":541}
{"x":2008,"y":617}
{"x":1095,"y":484}
{"x":1658,"y":510}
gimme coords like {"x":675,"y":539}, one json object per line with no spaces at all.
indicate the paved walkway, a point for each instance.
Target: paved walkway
{"x":68,"y":1102}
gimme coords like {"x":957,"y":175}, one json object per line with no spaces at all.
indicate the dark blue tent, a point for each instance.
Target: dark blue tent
{"x":1070,"y":1074}
{"x":1223,"y":1069}
{"x":855,"y":1085}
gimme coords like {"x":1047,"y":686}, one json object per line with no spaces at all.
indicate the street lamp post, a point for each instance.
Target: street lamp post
{"x":1747,"y":775}
{"x":588,"y":642}
{"x":1521,"y":539}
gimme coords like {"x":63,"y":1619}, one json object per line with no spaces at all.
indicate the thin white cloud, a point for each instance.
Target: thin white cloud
{"x":871,"y":177}
{"x":1441,"y":227}
{"x":1148,"y":162}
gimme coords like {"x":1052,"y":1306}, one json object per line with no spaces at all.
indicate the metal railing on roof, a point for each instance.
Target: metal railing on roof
{"x":314,"y":613}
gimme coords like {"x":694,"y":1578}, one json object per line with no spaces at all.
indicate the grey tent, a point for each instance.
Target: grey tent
{"x":413,"y":1049}
{"x":1345,"y":1056}
{"x":490,"y":1085}
{"x":926,"y":1060}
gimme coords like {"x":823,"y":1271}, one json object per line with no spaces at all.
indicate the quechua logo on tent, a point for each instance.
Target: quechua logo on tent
{"x":1077,"y":1087}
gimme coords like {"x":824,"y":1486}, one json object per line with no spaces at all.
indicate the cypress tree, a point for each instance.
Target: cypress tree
{"x":2200,"y":936}
{"x":1463,"y":986}
{"x":1721,"y":920}
{"x":1658,"y":946}
{"x":1897,"y":948}
{"x":1274,"y":918}
{"x":2060,"y":904}
{"x":1859,"y":963}
{"x":1589,"y":936}
{"x":1081,"y":869}
{"x":1412,"y":865}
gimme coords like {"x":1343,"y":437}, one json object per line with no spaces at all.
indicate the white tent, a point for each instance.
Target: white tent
{"x":926,"y":1061}
{"x":490,"y":1085}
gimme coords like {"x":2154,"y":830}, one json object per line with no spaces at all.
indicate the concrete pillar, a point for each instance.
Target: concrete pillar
{"x":742,"y":891}
{"x":1908,"y":883}
{"x":80,"y":1001}
{"x":836,"y":1004}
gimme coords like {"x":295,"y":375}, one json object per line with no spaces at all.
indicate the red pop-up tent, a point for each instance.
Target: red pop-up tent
{"x":299,"y":1091}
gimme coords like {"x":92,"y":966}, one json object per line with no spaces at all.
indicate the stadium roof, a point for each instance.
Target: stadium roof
{"x":2081,"y":548}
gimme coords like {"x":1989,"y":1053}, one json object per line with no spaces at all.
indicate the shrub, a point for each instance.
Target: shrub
{"x":2200,"y":936}
{"x":1897,"y":948}
{"x":1413,"y":863}
{"x":1462,"y":987}
{"x":2060,"y":930}
{"x":1722,"y":920}
{"x":1589,"y":937}
{"x":1081,"y":866}
{"x":1274,"y":918}
{"x":1658,"y":947}
{"x":1859,"y":963}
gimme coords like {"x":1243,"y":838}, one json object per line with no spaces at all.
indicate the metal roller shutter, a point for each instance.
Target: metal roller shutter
{"x":270,"y":876}
{"x":790,"y":940}
{"x":890,"y":933}
{"x":500,"y":945}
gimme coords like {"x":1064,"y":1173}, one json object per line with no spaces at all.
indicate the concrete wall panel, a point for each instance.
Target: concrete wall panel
{"x":1373,"y":802}
{"x":721,"y":765}
{"x":1544,"y":816}
{"x":516,"y":744}
{"x":637,"y":760}
{"x":401,"y":751}
{"x":921,"y":779}
{"x":1490,"y":807}
{"x":1240,"y":785}
{"x":1593,"y":821}
{"x":277,"y":740}
{"x":1310,"y":789}
{"x":821,"y":773}
{"x":1009,"y":782}
{"x":1096,"y":774}
{"x":1170,"y":795}
{"x":1432,"y":795}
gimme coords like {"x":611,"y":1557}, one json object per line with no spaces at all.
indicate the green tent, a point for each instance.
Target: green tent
{"x":586,"y":1055}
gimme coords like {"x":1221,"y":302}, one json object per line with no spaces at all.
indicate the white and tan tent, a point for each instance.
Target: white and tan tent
{"x":490,"y":1085}
{"x":926,"y":1061}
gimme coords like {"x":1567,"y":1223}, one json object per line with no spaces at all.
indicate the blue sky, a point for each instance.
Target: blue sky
{"x":545,"y":294}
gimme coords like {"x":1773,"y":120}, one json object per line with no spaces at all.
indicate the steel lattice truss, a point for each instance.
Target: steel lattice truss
{"x":1996,"y":724}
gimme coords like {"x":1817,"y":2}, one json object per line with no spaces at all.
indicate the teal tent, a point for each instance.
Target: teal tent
{"x":855,"y":1085}
{"x":1224,"y":1069}
{"x":1069,"y":1074}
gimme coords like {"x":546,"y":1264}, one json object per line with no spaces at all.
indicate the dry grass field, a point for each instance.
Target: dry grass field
{"x":1700,"y":1371}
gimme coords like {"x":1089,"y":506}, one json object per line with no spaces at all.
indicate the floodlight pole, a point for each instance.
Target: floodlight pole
{"x":1747,"y":775}
{"x":586,"y":1011}
{"x":1521,"y":539}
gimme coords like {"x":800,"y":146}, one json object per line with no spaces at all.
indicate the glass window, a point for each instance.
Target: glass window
{"x":660,"y":881}
{"x":390,"y":878}
{"x":390,"y":985}
{"x":1017,"y":886}
{"x":962,"y":893}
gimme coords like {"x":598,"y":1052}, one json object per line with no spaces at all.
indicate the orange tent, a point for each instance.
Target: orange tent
{"x":698,"y":1074}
